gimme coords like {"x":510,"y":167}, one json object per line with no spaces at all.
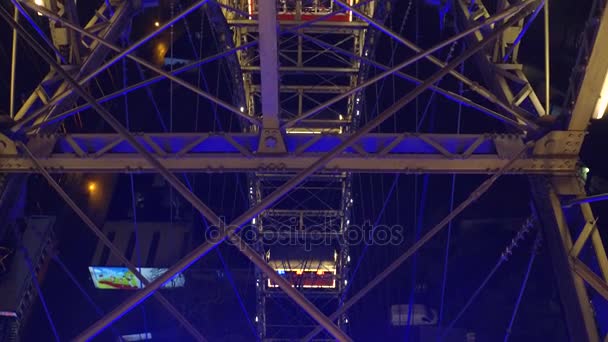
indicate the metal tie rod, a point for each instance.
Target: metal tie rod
{"x":113,"y":60}
{"x":179,"y":187}
{"x":504,"y":14}
{"x":279,"y":192}
{"x":445,"y":93}
{"x":485,"y":186}
{"x":55,"y":65}
{"x":480,"y":90}
{"x":474,"y":195}
{"x":59,"y":97}
{"x":104,"y":239}
{"x":143,"y":62}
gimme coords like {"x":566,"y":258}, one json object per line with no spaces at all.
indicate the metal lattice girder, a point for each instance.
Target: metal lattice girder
{"x":505,"y":74}
{"x":590,"y":75}
{"x":500,"y":67}
{"x":272,"y":141}
{"x":323,"y":67}
{"x":317,"y":206}
{"x":308,"y":75}
{"x":128,"y":53}
{"x":114,"y":22}
{"x":407,"y":153}
{"x":182,"y":189}
{"x":574,"y":242}
{"x":112,"y":25}
{"x":265,"y":202}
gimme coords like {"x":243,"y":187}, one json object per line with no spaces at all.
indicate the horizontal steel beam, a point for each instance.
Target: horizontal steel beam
{"x":357,"y":25}
{"x":418,"y":164}
{"x":297,"y":69}
{"x":196,"y":152}
{"x":315,"y":89}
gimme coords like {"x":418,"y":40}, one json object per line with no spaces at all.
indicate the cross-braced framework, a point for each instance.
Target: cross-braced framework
{"x":298,"y":73}
{"x":310,"y":74}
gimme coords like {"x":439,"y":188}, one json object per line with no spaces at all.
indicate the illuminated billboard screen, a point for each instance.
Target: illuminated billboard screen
{"x":121,"y":278}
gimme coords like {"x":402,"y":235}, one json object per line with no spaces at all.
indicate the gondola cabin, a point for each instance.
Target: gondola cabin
{"x":313,"y":267}
{"x":306,"y":10}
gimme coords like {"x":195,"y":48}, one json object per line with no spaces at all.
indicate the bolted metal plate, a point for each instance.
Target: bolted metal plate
{"x":42,"y":145}
{"x":7,"y":146}
{"x":508,"y":145}
{"x":271,"y":141}
{"x":560,"y":143}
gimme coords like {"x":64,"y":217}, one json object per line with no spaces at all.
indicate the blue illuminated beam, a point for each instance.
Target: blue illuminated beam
{"x":234,"y":227}
{"x":589,"y":199}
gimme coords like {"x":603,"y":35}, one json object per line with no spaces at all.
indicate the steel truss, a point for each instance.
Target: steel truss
{"x":238,"y":152}
{"x":309,"y":74}
{"x":282,"y":154}
{"x":78,"y":57}
{"x":502,"y":70}
{"x":500,"y":65}
{"x":64,"y":76}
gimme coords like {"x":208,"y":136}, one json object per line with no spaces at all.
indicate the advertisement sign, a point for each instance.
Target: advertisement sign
{"x":121,"y":278}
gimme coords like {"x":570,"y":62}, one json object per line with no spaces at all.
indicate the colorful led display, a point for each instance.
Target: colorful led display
{"x":121,"y":278}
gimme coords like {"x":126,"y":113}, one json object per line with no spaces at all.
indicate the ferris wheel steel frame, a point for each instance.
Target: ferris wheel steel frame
{"x":504,"y":73}
{"x":579,"y":313}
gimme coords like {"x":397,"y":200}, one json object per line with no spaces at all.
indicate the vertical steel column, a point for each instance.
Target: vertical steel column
{"x":547,"y":60}
{"x":269,"y":63}
{"x":578,"y":312}
{"x":589,"y":77}
{"x":11,"y":111}
{"x":271,"y":138}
